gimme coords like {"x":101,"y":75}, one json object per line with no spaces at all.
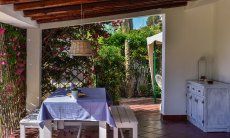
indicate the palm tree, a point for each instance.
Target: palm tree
{"x":126,"y":27}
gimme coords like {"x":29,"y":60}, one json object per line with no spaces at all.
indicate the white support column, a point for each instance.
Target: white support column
{"x":33,"y":74}
{"x":163,"y":93}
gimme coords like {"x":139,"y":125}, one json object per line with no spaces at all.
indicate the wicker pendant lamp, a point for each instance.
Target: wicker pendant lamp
{"x":81,"y":47}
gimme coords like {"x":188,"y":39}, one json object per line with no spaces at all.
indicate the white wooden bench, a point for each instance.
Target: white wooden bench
{"x":30,"y":121}
{"x":124,"y":118}
{"x":61,"y":124}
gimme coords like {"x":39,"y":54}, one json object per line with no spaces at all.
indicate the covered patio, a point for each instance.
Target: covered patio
{"x":191,"y":29}
{"x":150,"y":125}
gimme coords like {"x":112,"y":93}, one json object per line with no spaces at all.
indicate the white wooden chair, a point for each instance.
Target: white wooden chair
{"x":124,"y":118}
{"x":159,"y":80}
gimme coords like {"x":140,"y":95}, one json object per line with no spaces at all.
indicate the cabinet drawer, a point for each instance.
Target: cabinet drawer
{"x":199,"y":91}
{"x":196,"y":89}
{"x":190,"y":88}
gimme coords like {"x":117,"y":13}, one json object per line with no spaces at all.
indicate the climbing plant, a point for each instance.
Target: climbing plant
{"x":12,"y":77}
{"x":59,"y":69}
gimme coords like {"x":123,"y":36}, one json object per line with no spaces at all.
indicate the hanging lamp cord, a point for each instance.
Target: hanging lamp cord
{"x":82,"y":26}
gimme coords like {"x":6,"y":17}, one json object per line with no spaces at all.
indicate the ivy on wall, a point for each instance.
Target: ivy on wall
{"x":13,"y":78}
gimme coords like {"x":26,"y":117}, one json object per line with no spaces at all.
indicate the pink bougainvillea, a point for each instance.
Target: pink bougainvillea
{"x":19,"y":71}
{"x":3,"y":62}
{"x":2,"y":31}
{"x":12,"y":77}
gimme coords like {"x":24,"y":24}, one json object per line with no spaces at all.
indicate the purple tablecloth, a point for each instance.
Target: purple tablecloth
{"x":93,"y":107}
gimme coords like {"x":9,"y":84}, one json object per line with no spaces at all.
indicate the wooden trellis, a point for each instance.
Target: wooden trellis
{"x":61,"y":70}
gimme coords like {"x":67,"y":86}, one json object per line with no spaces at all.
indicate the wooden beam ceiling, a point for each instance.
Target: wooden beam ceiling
{"x":51,"y":3}
{"x":109,"y":12}
{"x":44,"y":11}
{"x":15,"y":1}
{"x":76,"y":9}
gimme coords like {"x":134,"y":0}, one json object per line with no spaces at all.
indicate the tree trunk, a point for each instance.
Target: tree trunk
{"x":126,"y":27}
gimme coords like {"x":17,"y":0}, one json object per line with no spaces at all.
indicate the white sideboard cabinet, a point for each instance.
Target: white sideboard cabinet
{"x":208,"y":106}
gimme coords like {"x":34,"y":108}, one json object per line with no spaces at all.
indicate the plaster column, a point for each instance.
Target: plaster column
{"x":33,"y":74}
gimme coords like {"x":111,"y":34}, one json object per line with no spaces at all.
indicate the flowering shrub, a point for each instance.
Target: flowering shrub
{"x":2,"y":31}
{"x":12,"y":78}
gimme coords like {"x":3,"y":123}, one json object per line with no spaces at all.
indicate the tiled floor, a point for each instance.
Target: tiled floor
{"x":150,"y":125}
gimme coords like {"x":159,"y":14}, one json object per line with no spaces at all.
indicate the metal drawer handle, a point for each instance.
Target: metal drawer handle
{"x":198,"y":90}
{"x":193,"y":88}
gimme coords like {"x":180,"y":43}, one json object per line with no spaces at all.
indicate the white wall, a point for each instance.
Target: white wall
{"x":189,"y":35}
{"x":222,"y":41}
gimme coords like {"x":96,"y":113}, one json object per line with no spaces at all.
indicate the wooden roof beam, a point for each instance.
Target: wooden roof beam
{"x":2,"y":2}
{"x":108,"y":13}
{"x":95,"y":6}
{"x":77,"y":13}
{"x":51,"y":3}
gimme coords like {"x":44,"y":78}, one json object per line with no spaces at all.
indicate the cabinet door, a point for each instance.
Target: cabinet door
{"x":218,"y":108}
{"x":194,"y":107}
{"x":189,"y":104}
{"x":200,"y":110}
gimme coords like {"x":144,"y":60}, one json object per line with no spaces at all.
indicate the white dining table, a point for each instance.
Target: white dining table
{"x":59,"y":107}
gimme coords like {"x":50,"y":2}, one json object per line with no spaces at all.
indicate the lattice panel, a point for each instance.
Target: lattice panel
{"x":59,"y":69}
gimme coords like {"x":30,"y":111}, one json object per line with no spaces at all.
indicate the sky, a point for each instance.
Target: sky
{"x":139,"y":22}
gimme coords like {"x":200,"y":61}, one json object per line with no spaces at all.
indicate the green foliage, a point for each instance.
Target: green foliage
{"x":138,"y":48}
{"x":157,"y":91}
{"x":143,"y":89}
{"x":154,"y":21}
{"x":109,"y":70}
{"x":117,"y":39}
{"x":111,"y":54}
{"x":137,"y":41}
